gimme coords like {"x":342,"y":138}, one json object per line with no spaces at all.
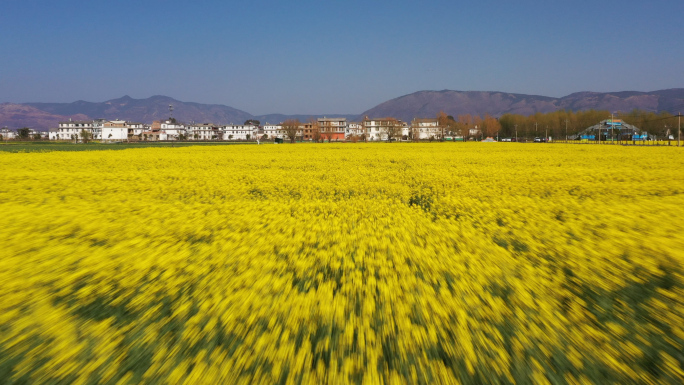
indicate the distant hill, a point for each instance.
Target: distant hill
{"x":48,"y":115}
{"x":426,"y":104}
{"x":21,"y":115}
{"x":148,"y":110}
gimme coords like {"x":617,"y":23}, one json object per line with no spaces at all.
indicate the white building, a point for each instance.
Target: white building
{"x":98,"y":124}
{"x":405,"y":130}
{"x":378,"y":129}
{"x":240,"y":132}
{"x":203,"y":131}
{"x":119,"y":130}
{"x":136,"y":130}
{"x":7,"y":134}
{"x":42,"y":134}
{"x":73,"y":130}
{"x":354,"y":129}
{"x":273,"y":131}
{"x":425,"y":128}
{"x":168,"y":129}
{"x":173,"y":129}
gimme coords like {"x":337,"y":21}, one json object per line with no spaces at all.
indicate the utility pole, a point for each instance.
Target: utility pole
{"x":612,"y":124}
{"x":566,"y":131}
{"x":546,"y":138}
{"x":679,"y":131}
{"x":516,"y":133}
{"x":599,"y":133}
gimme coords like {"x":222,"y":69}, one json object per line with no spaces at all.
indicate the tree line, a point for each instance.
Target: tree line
{"x":560,"y":123}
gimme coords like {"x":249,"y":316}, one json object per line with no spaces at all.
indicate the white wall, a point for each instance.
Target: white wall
{"x":117,"y":133}
{"x":239,"y":132}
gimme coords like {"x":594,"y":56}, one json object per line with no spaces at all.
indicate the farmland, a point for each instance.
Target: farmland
{"x":45,"y":146}
{"x":343,"y":263}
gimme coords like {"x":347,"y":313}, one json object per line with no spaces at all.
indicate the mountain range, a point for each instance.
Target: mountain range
{"x":428,"y":104}
{"x":422,"y":104}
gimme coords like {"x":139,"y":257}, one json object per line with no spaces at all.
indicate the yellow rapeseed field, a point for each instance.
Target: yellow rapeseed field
{"x":343,"y":263}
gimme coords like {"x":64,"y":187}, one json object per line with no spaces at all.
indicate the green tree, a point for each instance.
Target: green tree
{"x":24,"y":133}
{"x":85,"y":136}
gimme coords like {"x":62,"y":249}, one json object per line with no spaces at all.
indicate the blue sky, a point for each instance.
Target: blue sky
{"x":316,"y":57}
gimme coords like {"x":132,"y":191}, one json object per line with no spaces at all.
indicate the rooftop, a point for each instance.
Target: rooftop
{"x":324,"y":119}
{"x":77,"y":122}
{"x":374,"y":119}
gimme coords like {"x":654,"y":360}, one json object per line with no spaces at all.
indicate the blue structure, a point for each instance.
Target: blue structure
{"x":612,"y":129}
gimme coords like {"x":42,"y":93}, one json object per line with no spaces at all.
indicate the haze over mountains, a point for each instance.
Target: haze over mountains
{"x":424,"y":104}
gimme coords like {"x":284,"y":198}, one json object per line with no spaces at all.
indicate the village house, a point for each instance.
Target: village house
{"x":405,"y":130}
{"x":168,"y":129}
{"x":425,"y":128}
{"x":273,"y":131}
{"x":41,"y":134}
{"x":306,"y":131}
{"x":203,"y":131}
{"x":333,"y":128}
{"x":150,"y":135}
{"x":173,"y":129}
{"x":74,"y":129}
{"x":239,"y":132}
{"x":135,"y":130}
{"x":7,"y":134}
{"x":98,"y":124}
{"x":119,"y":130}
{"x":378,"y":129}
{"x":354,"y":129}
{"x":153,"y":132}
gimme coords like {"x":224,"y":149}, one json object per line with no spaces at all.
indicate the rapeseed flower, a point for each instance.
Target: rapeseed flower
{"x":364,"y":263}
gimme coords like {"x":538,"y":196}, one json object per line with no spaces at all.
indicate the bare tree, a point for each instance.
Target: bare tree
{"x":465,"y":123}
{"x":490,"y":126}
{"x":315,"y":130}
{"x":393,"y":129}
{"x":442,"y":124}
{"x":477,"y":125}
{"x":291,"y":128}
